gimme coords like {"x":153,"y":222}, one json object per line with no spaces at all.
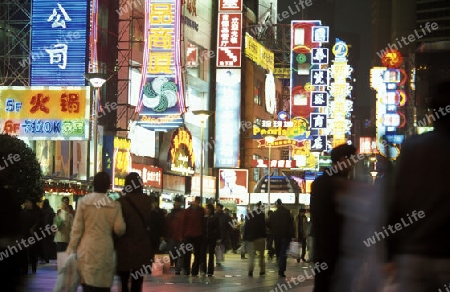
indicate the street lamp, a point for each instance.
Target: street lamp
{"x":269,"y":140}
{"x":96,"y":80}
{"x":203,"y":115}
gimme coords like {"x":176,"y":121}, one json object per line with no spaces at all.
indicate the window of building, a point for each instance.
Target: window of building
{"x":257,"y":95}
{"x":256,"y":170}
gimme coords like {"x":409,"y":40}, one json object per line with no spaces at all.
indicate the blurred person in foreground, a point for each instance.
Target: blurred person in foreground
{"x":225,"y":226}
{"x":255,"y":235}
{"x":133,"y":249}
{"x":419,"y":200}
{"x":282,"y":227}
{"x":174,"y":223}
{"x":48,"y":214}
{"x":9,"y":232}
{"x":31,"y":221}
{"x":325,"y":218}
{"x":92,"y":236}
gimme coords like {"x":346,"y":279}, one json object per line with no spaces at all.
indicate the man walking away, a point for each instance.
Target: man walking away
{"x":255,"y":234}
{"x":282,"y":231}
{"x":301,"y":227}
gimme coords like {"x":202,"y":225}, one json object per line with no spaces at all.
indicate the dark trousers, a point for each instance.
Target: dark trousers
{"x":136,"y":284}
{"x":176,"y":256}
{"x":27,"y":257}
{"x":208,"y":249}
{"x":269,"y":247}
{"x":88,"y":288}
{"x":281,"y":246}
{"x":303,"y":243}
{"x":196,"y":243}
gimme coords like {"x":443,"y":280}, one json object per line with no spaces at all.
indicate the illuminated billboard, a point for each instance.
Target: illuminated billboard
{"x":59,"y":42}
{"x":233,"y":182}
{"x":228,"y":109}
{"x":162,"y":98}
{"x":45,"y":113}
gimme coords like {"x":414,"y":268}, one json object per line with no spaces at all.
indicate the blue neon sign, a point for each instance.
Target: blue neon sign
{"x":59,"y":42}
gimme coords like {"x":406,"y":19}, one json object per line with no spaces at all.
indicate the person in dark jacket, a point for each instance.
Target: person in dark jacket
{"x":225,"y":228}
{"x":31,"y":221}
{"x":134,"y":249}
{"x":174,"y":223}
{"x":255,"y":234}
{"x":325,"y":218}
{"x":282,"y":228}
{"x":48,"y":246}
{"x":419,"y":203}
{"x":192,"y":234}
{"x":210,"y":236}
{"x":301,"y":225}
{"x":269,"y":241}
{"x":157,"y":226}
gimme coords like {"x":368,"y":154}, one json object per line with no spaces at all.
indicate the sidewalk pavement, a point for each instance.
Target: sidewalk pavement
{"x":232,"y":276}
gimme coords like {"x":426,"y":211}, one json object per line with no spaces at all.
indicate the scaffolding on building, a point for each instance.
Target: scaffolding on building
{"x":130,"y":48}
{"x":15,"y":51}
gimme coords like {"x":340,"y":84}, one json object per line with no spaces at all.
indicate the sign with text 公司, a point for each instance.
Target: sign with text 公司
{"x":162,"y":99}
{"x":59,"y":42}
{"x":45,"y":113}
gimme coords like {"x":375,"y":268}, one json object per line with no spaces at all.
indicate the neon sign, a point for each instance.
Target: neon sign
{"x":42,"y":113}
{"x":58,"y":42}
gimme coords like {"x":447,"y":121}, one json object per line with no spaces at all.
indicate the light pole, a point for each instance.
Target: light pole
{"x":203,"y":115}
{"x":269,"y":140}
{"x":96,"y":80}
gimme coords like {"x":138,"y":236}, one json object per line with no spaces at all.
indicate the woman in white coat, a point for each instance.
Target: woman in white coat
{"x":96,"y":219}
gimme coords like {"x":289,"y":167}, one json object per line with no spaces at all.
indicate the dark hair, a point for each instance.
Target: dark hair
{"x":102,"y":181}
{"x":45,"y":204}
{"x":341,"y":151}
{"x":135,"y":182}
{"x":210,"y":207}
{"x":220,"y":205}
{"x":197,"y":199}
{"x":63,"y":198}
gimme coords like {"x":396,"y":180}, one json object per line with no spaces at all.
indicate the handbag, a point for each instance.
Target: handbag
{"x":146,"y":226}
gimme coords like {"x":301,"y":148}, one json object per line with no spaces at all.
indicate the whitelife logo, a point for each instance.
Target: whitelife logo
{"x":398,"y":226}
{"x":411,"y":38}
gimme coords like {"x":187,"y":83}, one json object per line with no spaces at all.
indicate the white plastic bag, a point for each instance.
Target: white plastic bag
{"x":219,"y":253}
{"x":68,"y":278}
{"x":293,"y":250}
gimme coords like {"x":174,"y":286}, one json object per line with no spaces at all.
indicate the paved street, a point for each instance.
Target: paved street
{"x":231,"y":277}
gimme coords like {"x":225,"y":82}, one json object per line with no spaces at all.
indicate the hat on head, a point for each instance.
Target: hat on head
{"x":278,"y":202}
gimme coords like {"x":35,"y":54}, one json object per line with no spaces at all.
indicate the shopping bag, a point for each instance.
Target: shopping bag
{"x":68,"y":278}
{"x":61,"y":258}
{"x":293,"y":250}
{"x":219,"y":253}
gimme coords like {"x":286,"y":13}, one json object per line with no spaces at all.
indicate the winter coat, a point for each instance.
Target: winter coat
{"x":282,"y":223}
{"x":193,"y":222}
{"x":63,"y":220}
{"x":96,"y":219}
{"x":225,"y":226}
{"x":210,"y":228}
{"x":30,"y":221}
{"x":174,"y":223}
{"x":255,"y":226}
{"x":134,"y":248}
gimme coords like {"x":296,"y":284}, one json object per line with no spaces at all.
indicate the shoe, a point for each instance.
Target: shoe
{"x":210,"y":275}
{"x":243,"y":258}
{"x":282,"y":275}
{"x":177,"y":273}
{"x":194,"y":274}
{"x":186,"y":273}
{"x":250,"y":274}
{"x":262,"y":273}
{"x":298,"y":260}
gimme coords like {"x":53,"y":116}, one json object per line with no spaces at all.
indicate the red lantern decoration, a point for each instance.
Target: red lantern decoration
{"x":392,"y":59}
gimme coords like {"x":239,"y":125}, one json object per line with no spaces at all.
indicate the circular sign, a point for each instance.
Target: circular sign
{"x":270,"y":93}
{"x":340,"y":49}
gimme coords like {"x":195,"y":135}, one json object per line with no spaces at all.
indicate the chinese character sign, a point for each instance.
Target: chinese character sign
{"x":58,"y":42}
{"x":229,"y":40}
{"x":36,"y":113}
{"x":162,"y":97}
